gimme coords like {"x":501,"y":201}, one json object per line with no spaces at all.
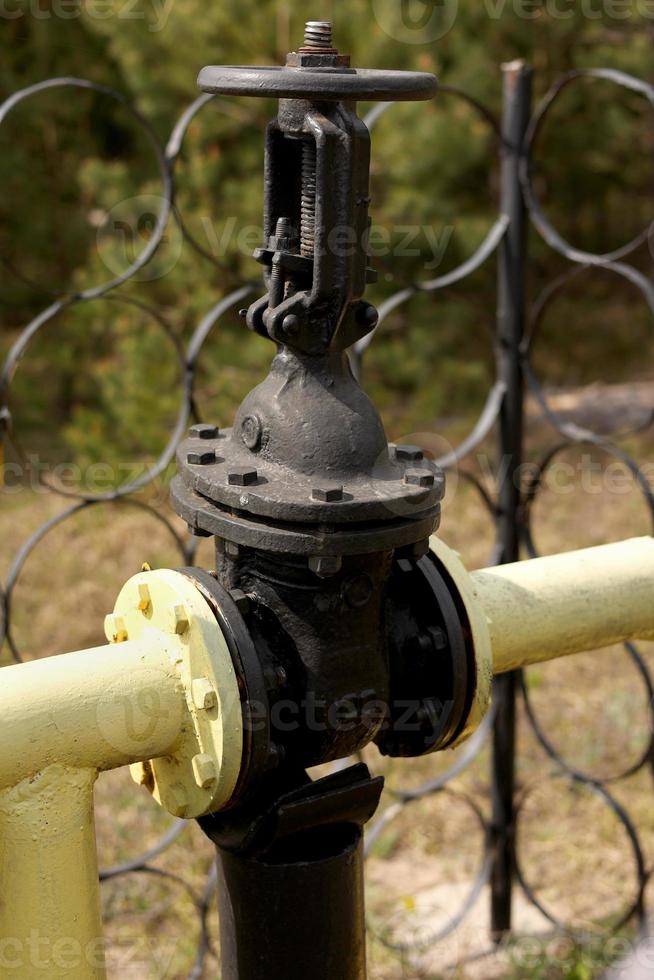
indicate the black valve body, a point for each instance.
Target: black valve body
{"x":339,"y":621}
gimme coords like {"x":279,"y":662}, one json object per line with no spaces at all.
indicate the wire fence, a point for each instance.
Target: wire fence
{"x":510,"y":509}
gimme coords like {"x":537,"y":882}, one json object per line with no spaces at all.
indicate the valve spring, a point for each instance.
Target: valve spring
{"x":318,"y":34}
{"x":308,"y":205}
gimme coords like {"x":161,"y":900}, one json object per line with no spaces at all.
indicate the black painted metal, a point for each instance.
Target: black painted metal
{"x":510,"y":331}
{"x":307,"y":469}
{"x":291,"y":870}
{"x":315,"y":895}
{"x":568,"y":433}
{"x":361,"y":84}
{"x":313,"y":511}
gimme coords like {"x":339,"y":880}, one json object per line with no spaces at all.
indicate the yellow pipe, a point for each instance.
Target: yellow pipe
{"x":50,"y":922}
{"x":91,"y":709}
{"x":162,"y":697}
{"x":537,"y":610}
{"x":563,"y":604}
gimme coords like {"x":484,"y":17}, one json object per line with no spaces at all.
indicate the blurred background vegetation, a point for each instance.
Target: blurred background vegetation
{"x":80,"y":192}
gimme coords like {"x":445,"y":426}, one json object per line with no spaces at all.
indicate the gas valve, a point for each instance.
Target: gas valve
{"x":334,"y":618}
{"x":320,"y":524}
{"x":343,"y":626}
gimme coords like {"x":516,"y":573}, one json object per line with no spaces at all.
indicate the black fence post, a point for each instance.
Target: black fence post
{"x":510,"y":329}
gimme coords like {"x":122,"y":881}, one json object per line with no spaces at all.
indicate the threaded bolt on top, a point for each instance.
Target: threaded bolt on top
{"x":318,"y":34}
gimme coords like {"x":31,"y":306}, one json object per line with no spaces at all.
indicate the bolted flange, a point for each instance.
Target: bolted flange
{"x":201,"y":773}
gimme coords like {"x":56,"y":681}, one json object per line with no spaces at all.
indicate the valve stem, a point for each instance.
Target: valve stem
{"x":308,"y":202}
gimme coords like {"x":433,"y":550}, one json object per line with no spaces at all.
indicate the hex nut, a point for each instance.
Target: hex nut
{"x":115,"y":629}
{"x":180,"y":617}
{"x":178,"y":801}
{"x":199,"y":532}
{"x":438,"y":637}
{"x":414,"y":551}
{"x":145,"y":600}
{"x":241,"y":600}
{"x":201,"y":457}
{"x":204,"y":431}
{"x":409,"y":454}
{"x":419,"y":478}
{"x":325,"y":565}
{"x":242,"y":476}
{"x":328,"y":492}
{"x":204,"y":770}
{"x":204,"y":694}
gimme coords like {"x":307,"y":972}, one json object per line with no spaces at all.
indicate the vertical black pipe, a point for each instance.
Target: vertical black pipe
{"x":510,"y":331}
{"x":295,"y":913}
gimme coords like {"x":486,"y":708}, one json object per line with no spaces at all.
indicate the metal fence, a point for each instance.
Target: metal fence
{"x":511,"y":509}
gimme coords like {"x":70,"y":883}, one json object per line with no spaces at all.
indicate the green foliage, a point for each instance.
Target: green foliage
{"x":75,"y":172}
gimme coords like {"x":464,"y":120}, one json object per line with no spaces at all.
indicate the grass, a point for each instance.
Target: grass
{"x":572,"y":849}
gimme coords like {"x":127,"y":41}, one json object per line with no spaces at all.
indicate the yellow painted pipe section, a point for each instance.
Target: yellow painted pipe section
{"x":162,"y":697}
{"x":50,"y":922}
{"x":91,"y":709}
{"x":563,"y":604}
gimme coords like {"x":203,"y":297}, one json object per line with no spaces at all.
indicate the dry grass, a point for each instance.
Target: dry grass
{"x":573,"y":850}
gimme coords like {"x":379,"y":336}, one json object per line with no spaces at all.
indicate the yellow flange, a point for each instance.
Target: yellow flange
{"x":480,"y":638}
{"x":537,"y":610}
{"x":201,"y":772}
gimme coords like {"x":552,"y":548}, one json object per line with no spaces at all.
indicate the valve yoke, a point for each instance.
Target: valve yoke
{"x":317,"y":173}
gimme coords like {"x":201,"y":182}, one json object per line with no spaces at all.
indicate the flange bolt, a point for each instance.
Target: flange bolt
{"x":204,"y":431}
{"x":328,"y":492}
{"x":242,"y":477}
{"x":408,"y":454}
{"x":419,"y":478}
{"x":201,"y":457}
